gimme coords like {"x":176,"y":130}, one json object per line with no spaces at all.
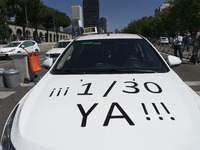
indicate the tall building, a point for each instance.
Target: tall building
{"x":103,"y":24}
{"x":77,"y":17}
{"x":91,"y":13}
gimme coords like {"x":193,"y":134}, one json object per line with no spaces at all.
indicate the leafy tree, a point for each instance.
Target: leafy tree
{"x":61,"y":19}
{"x":47,"y":18}
{"x":180,"y":16}
{"x":34,"y":10}
{"x":4,"y":34}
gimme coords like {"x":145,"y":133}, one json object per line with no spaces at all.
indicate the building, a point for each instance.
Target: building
{"x":162,"y":7}
{"x":103,"y":24}
{"x":77,"y":17}
{"x":91,"y":13}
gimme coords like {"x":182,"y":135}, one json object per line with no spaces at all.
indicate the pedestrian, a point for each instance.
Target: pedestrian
{"x":196,"y":50}
{"x":178,"y":45}
{"x":187,"y":40}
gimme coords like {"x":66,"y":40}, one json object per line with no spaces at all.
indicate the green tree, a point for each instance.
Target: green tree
{"x":61,"y":19}
{"x":180,"y":16}
{"x":4,"y":30}
{"x":47,"y":18}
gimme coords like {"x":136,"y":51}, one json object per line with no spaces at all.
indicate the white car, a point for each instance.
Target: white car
{"x":57,"y":49}
{"x":107,"y":92}
{"x":164,"y":40}
{"x":18,"y":47}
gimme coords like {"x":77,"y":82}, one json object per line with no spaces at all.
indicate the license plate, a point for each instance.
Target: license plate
{"x":1,"y":55}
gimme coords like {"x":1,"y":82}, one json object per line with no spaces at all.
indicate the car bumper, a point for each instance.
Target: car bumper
{"x":4,"y":55}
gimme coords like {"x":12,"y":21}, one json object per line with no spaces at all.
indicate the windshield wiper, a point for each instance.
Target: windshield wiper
{"x":110,"y":70}
{"x":103,"y":71}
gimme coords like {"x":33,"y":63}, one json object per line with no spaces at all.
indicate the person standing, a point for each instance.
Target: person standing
{"x":178,"y":45}
{"x":197,"y":47}
{"x":187,"y":40}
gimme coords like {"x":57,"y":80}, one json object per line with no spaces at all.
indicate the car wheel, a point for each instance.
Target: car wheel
{"x":37,"y":51}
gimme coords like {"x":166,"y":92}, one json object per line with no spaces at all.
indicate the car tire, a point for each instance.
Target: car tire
{"x":37,"y":51}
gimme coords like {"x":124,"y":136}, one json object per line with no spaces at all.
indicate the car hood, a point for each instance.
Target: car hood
{"x":126,"y":111}
{"x":5,"y":49}
{"x":56,"y":50}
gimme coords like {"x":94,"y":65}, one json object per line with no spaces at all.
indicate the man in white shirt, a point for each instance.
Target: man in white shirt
{"x":178,"y":45}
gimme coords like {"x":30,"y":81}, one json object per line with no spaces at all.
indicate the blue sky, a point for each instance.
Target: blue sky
{"x":119,"y":13}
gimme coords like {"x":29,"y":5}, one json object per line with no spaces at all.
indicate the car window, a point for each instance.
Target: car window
{"x":61,"y":44}
{"x":28,"y":43}
{"x":110,"y":56}
{"x":13,"y":44}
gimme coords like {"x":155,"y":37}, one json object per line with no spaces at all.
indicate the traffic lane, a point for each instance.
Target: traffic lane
{"x":8,"y":103}
{"x":189,"y":73}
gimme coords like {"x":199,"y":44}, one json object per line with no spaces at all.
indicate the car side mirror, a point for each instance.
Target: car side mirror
{"x":173,"y":61}
{"x":22,"y":46}
{"x":47,"y":63}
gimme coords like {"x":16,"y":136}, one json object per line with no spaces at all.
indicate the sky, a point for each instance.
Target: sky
{"x":119,"y":13}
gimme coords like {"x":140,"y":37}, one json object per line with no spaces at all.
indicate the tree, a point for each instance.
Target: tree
{"x":180,"y":16}
{"x":47,"y":18}
{"x":34,"y":14}
{"x":4,"y":29}
{"x":61,"y":19}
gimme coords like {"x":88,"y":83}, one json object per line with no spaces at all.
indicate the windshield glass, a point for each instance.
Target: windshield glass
{"x":109,"y":56}
{"x":61,"y":44}
{"x":13,"y":44}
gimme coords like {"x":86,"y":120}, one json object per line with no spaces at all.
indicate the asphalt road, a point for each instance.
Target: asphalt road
{"x":9,"y":97}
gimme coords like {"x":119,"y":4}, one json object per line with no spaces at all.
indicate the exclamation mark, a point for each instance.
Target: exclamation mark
{"x":52,"y":92}
{"x":145,"y":111}
{"x":59,"y":92}
{"x":66,"y":91}
{"x":172,"y":118}
{"x":157,"y":111}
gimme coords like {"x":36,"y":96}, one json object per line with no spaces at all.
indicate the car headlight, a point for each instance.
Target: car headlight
{"x":5,"y":139}
{"x":12,"y":50}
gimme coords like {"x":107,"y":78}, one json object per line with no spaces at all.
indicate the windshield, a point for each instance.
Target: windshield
{"x":61,"y":44}
{"x":109,"y":56}
{"x":13,"y":44}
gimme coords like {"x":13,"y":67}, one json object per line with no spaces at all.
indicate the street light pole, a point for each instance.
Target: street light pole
{"x":54,"y":24}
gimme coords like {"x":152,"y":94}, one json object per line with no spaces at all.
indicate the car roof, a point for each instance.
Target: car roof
{"x":109,"y":36}
{"x":22,"y":41}
{"x":65,"y":41}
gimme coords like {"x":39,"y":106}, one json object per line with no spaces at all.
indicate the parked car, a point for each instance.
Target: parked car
{"x":163,"y":40}
{"x":18,"y":47}
{"x":107,"y":92}
{"x":57,"y":49}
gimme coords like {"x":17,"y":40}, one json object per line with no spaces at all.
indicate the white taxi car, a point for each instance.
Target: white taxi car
{"x":107,"y":92}
{"x":17,"y":47}
{"x":57,"y":49}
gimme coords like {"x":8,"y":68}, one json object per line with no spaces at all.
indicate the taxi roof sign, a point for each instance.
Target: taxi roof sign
{"x":90,"y":30}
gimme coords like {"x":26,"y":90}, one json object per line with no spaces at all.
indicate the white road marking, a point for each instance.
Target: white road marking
{"x":193,"y":83}
{"x":6,"y":94}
